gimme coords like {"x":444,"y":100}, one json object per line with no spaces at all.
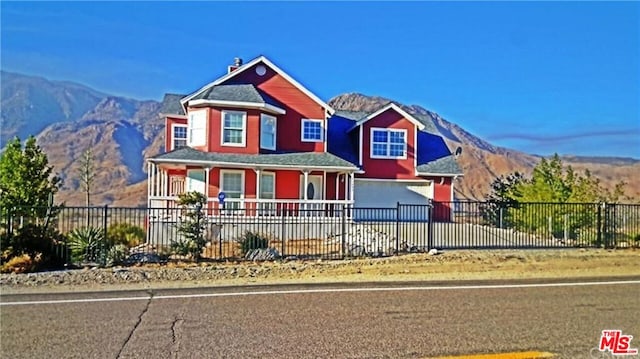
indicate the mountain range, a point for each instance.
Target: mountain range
{"x":69,"y":118}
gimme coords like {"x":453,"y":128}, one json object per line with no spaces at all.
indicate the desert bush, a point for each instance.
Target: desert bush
{"x":124,"y":233}
{"x":35,"y":241}
{"x":117,"y":254}
{"x":88,"y":244}
{"x":252,"y":240}
{"x":20,"y":264}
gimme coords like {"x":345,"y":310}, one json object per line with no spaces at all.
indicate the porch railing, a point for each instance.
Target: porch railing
{"x":250,"y":207}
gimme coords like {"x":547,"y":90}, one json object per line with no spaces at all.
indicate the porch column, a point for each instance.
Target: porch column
{"x":206,"y":182}
{"x":149,"y":184}
{"x":153,"y":180}
{"x":346,"y":187}
{"x":352,"y":184}
{"x":337,"y":186}
{"x":306,"y":184}
{"x":258,"y":174}
{"x":324,"y":185}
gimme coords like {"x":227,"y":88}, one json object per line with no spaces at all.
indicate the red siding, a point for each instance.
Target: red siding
{"x":168,"y":134}
{"x":297,"y":104}
{"x":442,"y":197}
{"x":388,"y":168}
{"x":214,"y":132}
{"x":288,"y":184}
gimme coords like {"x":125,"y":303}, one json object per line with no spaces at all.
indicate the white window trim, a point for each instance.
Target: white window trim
{"x":388,"y":130}
{"x":271,"y":174}
{"x":305,"y":120}
{"x":173,"y":135}
{"x":275,"y":131}
{"x":190,"y":128}
{"x":244,"y":129}
{"x":242,"y":180}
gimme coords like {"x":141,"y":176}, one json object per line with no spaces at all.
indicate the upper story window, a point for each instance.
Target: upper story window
{"x":234,"y":128}
{"x":178,"y":136}
{"x":268,"y":132}
{"x":197,"y":128}
{"x":388,"y":143}
{"x":312,"y":130}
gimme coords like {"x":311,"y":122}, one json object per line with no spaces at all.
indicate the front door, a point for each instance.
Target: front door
{"x":314,"y":191}
{"x":314,"y":187}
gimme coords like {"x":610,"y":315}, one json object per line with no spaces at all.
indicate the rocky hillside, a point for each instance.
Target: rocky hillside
{"x":69,"y":118}
{"x":119,"y":132}
{"x":30,"y":104}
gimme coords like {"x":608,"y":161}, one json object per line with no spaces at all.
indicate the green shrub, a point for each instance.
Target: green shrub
{"x":117,"y":254}
{"x":43,"y":245}
{"x":124,"y":233}
{"x":251,"y":240}
{"x":191,"y":226}
{"x":87,"y":244}
{"x":185,"y":247}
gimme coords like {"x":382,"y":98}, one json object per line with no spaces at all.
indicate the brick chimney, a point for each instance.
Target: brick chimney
{"x":237,"y":62}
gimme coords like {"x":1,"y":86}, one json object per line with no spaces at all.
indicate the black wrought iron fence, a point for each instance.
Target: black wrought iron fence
{"x":108,"y":235}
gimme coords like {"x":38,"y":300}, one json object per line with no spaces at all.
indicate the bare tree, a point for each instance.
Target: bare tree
{"x":87,"y":173}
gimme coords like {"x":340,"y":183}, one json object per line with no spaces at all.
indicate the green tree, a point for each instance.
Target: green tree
{"x":27,"y":187}
{"x":27,"y":181}
{"x":527,"y":203}
{"x":505,"y":191}
{"x":192,"y":225}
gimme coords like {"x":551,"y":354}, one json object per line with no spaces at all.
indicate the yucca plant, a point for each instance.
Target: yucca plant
{"x":87,"y":244}
{"x":252,"y":240}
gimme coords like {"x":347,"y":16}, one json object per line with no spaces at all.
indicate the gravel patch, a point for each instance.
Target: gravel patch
{"x":469,"y":264}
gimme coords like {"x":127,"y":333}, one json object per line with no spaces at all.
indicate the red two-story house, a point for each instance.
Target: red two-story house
{"x":269,"y":145}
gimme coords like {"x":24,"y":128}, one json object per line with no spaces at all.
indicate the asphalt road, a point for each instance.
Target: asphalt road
{"x":392,"y":320}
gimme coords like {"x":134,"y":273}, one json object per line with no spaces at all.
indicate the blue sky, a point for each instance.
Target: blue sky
{"x":541,"y":77}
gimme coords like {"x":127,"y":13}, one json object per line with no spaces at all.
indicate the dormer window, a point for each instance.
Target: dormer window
{"x":234,"y":128}
{"x":388,"y":143}
{"x":312,"y":130}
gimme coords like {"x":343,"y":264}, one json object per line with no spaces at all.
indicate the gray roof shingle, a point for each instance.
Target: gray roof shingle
{"x":444,"y":165}
{"x":352,"y":115}
{"x":238,"y":93}
{"x":171,"y":104}
{"x":300,"y":159}
{"x":429,"y":126}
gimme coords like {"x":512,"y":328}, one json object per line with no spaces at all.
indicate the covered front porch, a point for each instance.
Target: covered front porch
{"x":316,"y":184}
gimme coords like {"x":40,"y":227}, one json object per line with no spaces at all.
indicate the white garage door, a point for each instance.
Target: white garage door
{"x":386,"y":194}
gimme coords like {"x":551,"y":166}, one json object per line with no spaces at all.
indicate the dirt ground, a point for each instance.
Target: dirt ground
{"x":449,"y":265}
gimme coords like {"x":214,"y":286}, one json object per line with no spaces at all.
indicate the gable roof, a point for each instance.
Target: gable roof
{"x":247,"y":66}
{"x":442,"y":166}
{"x":171,"y":105}
{"x":394,"y":107}
{"x":244,"y":95}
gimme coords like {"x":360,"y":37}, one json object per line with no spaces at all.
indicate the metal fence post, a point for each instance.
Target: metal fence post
{"x":344,"y":230}
{"x":397,"y":225}
{"x":104,"y":219}
{"x":283,"y":232}
{"x":599,"y":225}
{"x":430,"y":226}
